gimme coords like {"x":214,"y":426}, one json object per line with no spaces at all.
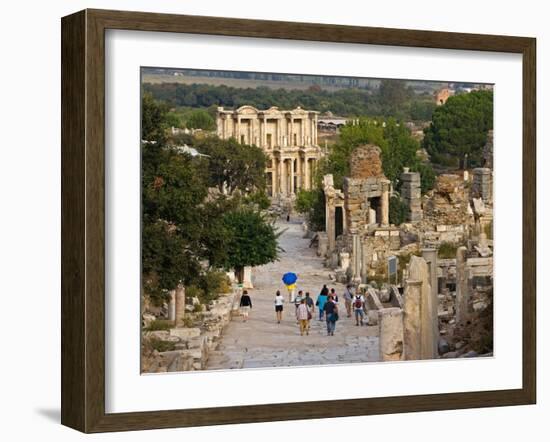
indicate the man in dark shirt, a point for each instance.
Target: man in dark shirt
{"x":331,"y":312}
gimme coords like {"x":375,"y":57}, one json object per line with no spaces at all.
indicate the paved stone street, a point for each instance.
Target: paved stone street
{"x":261,"y":342}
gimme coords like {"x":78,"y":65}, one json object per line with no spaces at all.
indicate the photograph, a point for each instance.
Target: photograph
{"x":292,"y":220}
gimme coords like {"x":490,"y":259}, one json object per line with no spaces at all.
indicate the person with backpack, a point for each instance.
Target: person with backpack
{"x":348,"y":298}
{"x":298,"y":299}
{"x":303,"y":315}
{"x":245,"y":305}
{"x":320,"y":303}
{"x":358,"y":308}
{"x":311,"y":305}
{"x":331,"y":312}
{"x":334,"y":295}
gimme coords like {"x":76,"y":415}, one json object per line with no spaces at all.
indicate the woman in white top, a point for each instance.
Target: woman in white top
{"x":279,"y":301}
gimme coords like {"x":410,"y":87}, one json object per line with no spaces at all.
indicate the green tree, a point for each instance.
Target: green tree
{"x":173,"y":189}
{"x":427,"y":175}
{"x":397,"y":211}
{"x":459,"y":128}
{"x":252,"y":240}
{"x":258,"y":199}
{"x":153,"y":119}
{"x":200,"y":119}
{"x":311,"y":203}
{"x":398,"y":150}
{"x":233,"y":166}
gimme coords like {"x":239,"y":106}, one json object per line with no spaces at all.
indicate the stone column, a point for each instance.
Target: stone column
{"x":412,"y":323}
{"x":303,"y":131}
{"x":180,"y":304}
{"x":298,"y":173}
{"x":357,"y":255}
{"x":274,"y":177}
{"x":247,"y":278}
{"x":462,"y":294}
{"x":238,"y":137}
{"x":418,"y":270}
{"x":292,"y":176}
{"x":390,"y":326}
{"x":172,"y":306}
{"x":330,"y":223}
{"x":307,"y":180}
{"x":430,"y":256}
{"x":315,"y":130}
{"x":263,"y":140}
{"x":283,"y":177}
{"x":385,"y":203}
{"x":291,"y":135}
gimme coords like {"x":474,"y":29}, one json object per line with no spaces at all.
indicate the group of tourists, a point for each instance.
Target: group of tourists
{"x":327,"y":304}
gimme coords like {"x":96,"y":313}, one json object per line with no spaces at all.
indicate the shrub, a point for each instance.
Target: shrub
{"x":214,"y":283}
{"x":447,"y":250}
{"x":311,"y":203}
{"x":193,"y":291}
{"x":160,"y":324}
{"x":398,"y":211}
{"x":162,"y":346}
{"x":209,"y":286}
{"x":260,"y":199}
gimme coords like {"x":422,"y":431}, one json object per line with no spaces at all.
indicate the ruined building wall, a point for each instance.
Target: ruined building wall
{"x":482,"y":184}
{"x":411,"y":194}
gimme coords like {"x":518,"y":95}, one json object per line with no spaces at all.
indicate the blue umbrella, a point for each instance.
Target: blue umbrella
{"x":290,"y":278}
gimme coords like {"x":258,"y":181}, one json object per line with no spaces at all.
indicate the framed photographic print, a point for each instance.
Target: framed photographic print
{"x":267,"y":221}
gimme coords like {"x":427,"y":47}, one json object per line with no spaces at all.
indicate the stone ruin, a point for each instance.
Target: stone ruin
{"x":427,"y":314}
{"x":411,"y":194}
{"x":187,"y":345}
{"x":358,"y":234}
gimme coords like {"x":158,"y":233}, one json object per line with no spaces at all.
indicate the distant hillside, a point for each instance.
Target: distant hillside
{"x":254,"y":79}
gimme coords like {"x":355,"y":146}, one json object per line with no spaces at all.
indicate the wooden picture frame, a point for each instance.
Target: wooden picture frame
{"x":83,"y":220}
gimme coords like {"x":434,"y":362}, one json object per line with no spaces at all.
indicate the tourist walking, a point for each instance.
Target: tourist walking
{"x":324,"y":290}
{"x":358,"y":308}
{"x":279,"y":301}
{"x":334,"y":295}
{"x":245,"y":305}
{"x":298,"y":299}
{"x":331,"y":314}
{"x":291,"y":293}
{"x":303,"y":315}
{"x":311,"y":306}
{"x":348,"y":297}
{"x":320,"y":303}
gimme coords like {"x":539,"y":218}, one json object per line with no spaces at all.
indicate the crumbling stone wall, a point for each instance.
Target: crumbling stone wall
{"x":365,"y":162}
{"x":482,"y":184}
{"x":447,"y":203}
{"x":411,"y":194}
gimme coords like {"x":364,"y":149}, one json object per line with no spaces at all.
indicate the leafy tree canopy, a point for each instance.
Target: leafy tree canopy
{"x":311,"y":203}
{"x":392,"y":98}
{"x":397,"y":145}
{"x":232,"y":165}
{"x":252,"y":239}
{"x":200,"y":119}
{"x":459,"y":128}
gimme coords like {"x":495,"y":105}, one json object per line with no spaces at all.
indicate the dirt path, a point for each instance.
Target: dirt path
{"x":261,"y":342}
